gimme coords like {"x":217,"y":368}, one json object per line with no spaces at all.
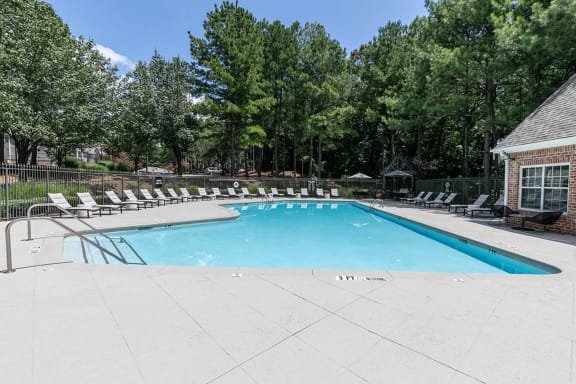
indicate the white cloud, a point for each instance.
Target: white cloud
{"x":115,"y":58}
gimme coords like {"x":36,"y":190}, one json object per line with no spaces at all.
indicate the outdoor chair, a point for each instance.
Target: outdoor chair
{"x":304,"y":192}
{"x":262,"y":193}
{"x":498,"y":202}
{"x":219,"y":195}
{"x":246,"y":193}
{"x":148,"y":196}
{"x":408,"y":200}
{"x":204,"y":195}
{"x":275,"y":192}
{"x":477,"y":204}
{"x":173,"y":194}
{"x":130,"y":196}
{"x":59,"y":200}
{"x":542,"y":218}
{"x":503,"y":211}
{"x":448,"y":201}
{"x":320,"y":192}
{"x":127,"y":204}
{"x":417,"y":200}
{"x":437,"y":201}
{"x":290,"y":192}
{"x":87,"y":200}
{"x":334,"y":193}
{"x":232,"y":193}
{"x":161,"y":195}
{"x":186,"y":194}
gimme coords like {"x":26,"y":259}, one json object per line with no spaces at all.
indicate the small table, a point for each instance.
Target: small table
{"x":522,"y":217}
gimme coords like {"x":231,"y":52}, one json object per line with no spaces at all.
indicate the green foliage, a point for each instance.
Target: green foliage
{"x":440,"y":91}
{"x":94,"y":167}
{"x":71,"y":162}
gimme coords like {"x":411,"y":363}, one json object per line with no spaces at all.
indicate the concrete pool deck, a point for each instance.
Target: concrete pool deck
{"x":72,"y":323}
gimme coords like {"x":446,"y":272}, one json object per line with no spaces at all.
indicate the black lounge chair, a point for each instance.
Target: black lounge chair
{"x":503,"y":211}
{"x":543,"y":218}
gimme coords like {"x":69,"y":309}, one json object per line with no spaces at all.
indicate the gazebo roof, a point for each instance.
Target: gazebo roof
{"x":402,"y":164}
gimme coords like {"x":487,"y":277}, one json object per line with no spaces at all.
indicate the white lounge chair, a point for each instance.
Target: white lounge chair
{"x":466,"y":207}
{"x":247,"y":193}
{"x":148,"y":196}
{"x":424,"y":199}
{"x":499,"y":202}
{"x":304,"y":192}
{"x":185,"y":193}
{"x":219,"y":195}
{"x":443,"y":203}
{"x":130,"y":196}
{"x":334,"y":193}
{"x":437,"y":201}
{"x":320,"y":192}
{"x":290,"y":192}
{"x":173,"y":193}
{"x":262,"y":193}
{"x":87,"y":200}
{"x":59,"y":200}
{"x":127,"y":204}
{"x":161,"y":195}
{"x":275,"y":192}
{"x":204,"y":195}
{"x":409,"y":200}
{"x":232,"y":193}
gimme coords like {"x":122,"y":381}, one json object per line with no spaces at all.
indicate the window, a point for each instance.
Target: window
{"x":545,"y":187}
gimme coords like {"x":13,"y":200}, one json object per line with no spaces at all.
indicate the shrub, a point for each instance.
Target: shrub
{"x":95,"y":167}
{"x":70,"y":162}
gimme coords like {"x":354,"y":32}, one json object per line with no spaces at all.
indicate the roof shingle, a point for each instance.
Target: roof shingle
{"x":554,"y":119}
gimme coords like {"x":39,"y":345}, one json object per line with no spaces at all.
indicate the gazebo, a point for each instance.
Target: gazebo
{"x":399,"y":170}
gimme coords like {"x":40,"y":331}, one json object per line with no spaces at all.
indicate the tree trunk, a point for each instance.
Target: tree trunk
{"x":489,"y":130}
{"x":23,"y":149}
{"x":34,"y":157}
{"x":311,"y":157}
{"x":2,"y":156}
{"x":319,"y":157}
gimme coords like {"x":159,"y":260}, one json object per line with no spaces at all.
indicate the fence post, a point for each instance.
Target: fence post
{"x":6,"y":195}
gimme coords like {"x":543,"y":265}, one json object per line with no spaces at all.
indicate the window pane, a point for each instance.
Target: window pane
{"x":532,"y":177}
{"x":556,"y":199}
{"x":531,"y":198}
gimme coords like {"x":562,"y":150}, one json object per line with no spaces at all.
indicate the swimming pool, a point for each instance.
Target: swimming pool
{"x":314,"y":234}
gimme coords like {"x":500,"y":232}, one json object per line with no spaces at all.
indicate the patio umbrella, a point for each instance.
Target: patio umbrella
{"x":398,"y":173}
{"x":359,"y":175}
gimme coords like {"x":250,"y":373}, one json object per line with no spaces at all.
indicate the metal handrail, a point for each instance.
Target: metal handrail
{"x":69,"y":229}
{"x":29,"y":215}
{"x":29,"y":220}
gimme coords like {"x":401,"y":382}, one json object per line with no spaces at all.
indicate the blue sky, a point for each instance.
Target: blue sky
{"x":128,"y":31}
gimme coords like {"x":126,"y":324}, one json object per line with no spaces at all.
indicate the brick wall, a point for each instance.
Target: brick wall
{"x":565,"y":154}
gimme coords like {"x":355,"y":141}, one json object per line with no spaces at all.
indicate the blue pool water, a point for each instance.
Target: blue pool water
{"x":318,"y":235}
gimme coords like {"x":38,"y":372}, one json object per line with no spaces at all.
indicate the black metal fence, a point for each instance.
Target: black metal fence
{"x":468,"y":189}
{"x":24,"y":185}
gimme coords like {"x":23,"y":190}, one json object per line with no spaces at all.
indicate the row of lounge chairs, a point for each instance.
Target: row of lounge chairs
{"x":89,"y":205}
{"x":497,"y":209}
{"x":442,"y":200}
{"x":231,"y":193}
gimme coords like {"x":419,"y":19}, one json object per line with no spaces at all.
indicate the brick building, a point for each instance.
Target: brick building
{"x":540,"y":159}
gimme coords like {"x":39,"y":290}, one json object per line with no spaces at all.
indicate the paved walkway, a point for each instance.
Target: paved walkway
{"x":70,"y":323}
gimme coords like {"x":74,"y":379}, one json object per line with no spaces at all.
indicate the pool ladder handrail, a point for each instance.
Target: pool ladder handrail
{"x":374,"y":202}
{"x":268,"y":197}
{"x":29,"y":219}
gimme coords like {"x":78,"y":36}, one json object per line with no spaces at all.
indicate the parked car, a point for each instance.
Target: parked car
{"x":212,"y":171}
